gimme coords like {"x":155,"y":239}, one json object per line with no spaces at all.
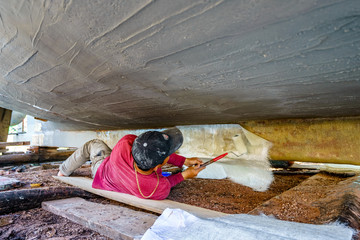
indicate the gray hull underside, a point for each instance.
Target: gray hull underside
{"x":143,"y":64}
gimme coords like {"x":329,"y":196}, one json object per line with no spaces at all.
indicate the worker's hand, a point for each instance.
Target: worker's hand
{"x":193,"y":162}
{"x":60,"y":174}
{"x":192,"y":172}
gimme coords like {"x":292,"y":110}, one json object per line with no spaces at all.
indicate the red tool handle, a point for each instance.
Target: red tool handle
{"x":214,"y":160}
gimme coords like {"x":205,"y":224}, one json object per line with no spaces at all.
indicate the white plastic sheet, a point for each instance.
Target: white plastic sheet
{"x":247,"y":162}
{"x":178,"y":224}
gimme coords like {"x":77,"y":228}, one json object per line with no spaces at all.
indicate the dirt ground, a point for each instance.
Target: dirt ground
{"x":229,"y":197}
{"x":37,"y":223}
{"x":220,"y":195}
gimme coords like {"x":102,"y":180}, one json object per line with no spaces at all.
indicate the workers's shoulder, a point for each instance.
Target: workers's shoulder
{"x":128,"y":137}
{"x":125,"y":142}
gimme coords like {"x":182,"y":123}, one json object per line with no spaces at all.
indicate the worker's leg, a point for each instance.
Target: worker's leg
{"x":94,"y":150}
{"x":98,"y":156}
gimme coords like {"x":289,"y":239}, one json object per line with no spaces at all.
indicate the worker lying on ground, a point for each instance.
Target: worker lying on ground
{"x":134,"y":164}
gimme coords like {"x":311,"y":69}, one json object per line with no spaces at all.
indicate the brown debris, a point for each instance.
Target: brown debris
{"x":229,"y":197}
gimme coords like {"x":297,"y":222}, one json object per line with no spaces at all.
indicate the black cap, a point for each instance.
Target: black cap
{"x":152,"y":147}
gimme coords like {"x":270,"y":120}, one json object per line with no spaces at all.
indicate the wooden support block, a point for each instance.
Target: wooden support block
{"x":54,"y":156}
{"x":18,"y":200}
{"x":157,"y":206}
{"x":115,"y":222}
{"x":32,"y":157}
{"x":5,"y":117}
{"x":4,"y":144}
{"x":18,"y":158}
{"x":319,"y":199}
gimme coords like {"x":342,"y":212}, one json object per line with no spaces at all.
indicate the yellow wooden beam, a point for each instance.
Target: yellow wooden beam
{"x":330,"y":140}
{"x":5,"y":117}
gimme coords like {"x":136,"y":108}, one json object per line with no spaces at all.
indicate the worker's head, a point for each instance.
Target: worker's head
{"x":152,"y":148}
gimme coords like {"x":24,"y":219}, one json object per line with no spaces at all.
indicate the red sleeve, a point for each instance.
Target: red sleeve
{"x":176,"y":160}
{"x":175,"y":179}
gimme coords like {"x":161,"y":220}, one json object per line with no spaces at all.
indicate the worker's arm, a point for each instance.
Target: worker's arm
{"x":176,"y":160}
{"x":193,"y":162}
{"x":192,"y":172}
{"x":179,"y":161}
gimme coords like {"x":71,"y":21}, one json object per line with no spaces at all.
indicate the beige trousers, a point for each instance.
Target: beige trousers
{"x":95,"y":151}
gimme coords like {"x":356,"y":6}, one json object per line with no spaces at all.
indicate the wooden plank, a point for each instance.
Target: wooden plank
{"x":55,"y":156}
{"x":7,"y":159}
{"x":113,"y":221}
{"x":4,"y":144}
{"x":18,"y":158}
{"x":157,"y":206}
{"x":320,"y":199}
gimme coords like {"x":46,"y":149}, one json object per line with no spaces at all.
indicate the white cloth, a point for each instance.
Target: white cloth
{"x":177,"y":224}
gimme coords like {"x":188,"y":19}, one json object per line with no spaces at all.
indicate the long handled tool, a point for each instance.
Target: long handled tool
{"x":213,"y":160}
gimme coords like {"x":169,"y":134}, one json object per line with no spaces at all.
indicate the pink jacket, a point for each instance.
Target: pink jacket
{"x":116,"y":173}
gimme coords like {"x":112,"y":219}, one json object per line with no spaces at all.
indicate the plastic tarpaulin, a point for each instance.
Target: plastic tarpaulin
{"x":178,"y":224}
